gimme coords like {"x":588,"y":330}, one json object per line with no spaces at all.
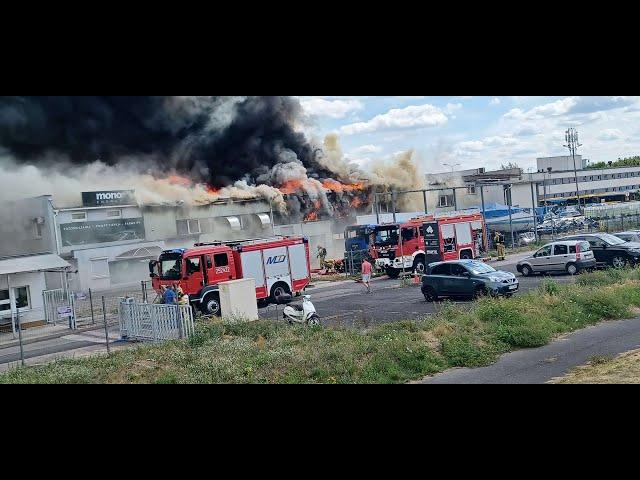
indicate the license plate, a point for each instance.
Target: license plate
{"x":513,"y":287}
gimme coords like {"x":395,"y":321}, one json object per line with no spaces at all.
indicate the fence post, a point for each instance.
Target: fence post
{"x":93,"y":317}
{"x":20,"y":335}
{"x":179,"y":319}
{"x":106,"y":330}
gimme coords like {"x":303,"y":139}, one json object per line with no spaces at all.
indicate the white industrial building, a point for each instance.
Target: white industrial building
{"x":553,"y":183}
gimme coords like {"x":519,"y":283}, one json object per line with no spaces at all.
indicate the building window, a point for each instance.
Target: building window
{"x":22,"y":298}
{"x":471,"y":189}
{"x":79,"y":217}
{"x":37,"y":228}
{"x":99,"y":268}
{"x":114,"y":213}
{"x":188,"y":227}
{"x":5,"y":301}
{"x":194,"y":226}
{"x":445,"y":201}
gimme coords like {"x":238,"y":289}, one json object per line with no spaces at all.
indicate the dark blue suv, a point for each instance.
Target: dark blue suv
{"x":466,"y":278}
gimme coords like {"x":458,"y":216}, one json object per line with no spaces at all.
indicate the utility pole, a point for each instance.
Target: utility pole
{"x":571,"y":137}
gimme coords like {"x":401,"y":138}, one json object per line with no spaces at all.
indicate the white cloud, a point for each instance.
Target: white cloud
{"x":471,"y":146}
{"x":452,"y":107}
{"x":610,"y":134}
{"x":415,"y":116}
{"x":572,"y":105}
{"x":330,"y":108}
{"x":495,"y":101}
{"x":366,"y":149}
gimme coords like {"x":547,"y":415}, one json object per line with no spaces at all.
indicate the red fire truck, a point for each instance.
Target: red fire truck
{"x":413,"y":245}
{"x":279,"y":266}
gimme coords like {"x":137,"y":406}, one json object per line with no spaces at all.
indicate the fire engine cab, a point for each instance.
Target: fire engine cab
{"x":413,"y":245}
{"x":279,"y":266}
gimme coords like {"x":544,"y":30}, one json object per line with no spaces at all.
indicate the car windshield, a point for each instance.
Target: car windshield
{"x":478,"y":268}
{"x":611,"y":240}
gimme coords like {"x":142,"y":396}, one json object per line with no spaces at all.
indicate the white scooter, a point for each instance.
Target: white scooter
{"x":305,"y":313}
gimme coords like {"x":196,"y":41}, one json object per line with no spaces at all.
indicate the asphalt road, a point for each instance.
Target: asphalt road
{"x":539,"y":365}
{"x":347,"y":303}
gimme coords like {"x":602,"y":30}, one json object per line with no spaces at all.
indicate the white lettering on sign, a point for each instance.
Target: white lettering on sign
{"x":223,"y":269}
{"x":109,"y":196}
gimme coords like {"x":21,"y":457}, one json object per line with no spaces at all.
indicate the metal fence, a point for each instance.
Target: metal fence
{"x":89,"y":305}
{"x":525,"y":231}
{"x":155,"y":322}
{"x":353,"y":261}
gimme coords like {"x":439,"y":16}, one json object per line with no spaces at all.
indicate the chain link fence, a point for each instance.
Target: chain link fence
{"x":525,"y":232}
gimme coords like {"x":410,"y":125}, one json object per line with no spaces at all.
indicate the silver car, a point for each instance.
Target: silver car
{"x":570,"y":256}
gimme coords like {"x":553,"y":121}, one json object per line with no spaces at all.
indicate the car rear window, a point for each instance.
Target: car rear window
{"x":584,"y":246}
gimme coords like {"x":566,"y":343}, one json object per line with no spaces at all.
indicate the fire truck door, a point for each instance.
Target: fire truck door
{"x":220,"y":270}
{"x":277,"y":268}
{"x":194,"y":274}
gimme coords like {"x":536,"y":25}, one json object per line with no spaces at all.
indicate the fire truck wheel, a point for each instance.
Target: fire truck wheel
{"x":278,"y":290}
{"x":418,"y":265}
{"x":263,"y":303}
{"x":393,"y":273}
{"x":211,"y":305}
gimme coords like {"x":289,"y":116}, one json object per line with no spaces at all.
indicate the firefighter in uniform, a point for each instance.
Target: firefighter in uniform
{"x":322,"y":255}
{"x":498,"y":240}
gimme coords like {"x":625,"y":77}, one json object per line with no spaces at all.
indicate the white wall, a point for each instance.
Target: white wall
{"x":86,"y":279}
{"x":36,"y":283}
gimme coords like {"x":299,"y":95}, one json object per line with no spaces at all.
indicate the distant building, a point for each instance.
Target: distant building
{"x":561,"y":163}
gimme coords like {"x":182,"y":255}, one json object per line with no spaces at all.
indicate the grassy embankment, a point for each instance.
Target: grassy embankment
{"x":624,"y":368}
{"x":469,"y":335}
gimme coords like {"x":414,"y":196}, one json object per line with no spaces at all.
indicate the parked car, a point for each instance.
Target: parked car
{"x":610,"y":250}
{"x":570,"y":256}
{"x":526,"y":238}
{"x":466,"y":278}
{"x":630,"y":236}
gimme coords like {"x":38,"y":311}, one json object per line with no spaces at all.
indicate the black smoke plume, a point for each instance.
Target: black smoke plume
{"x":216,"y":140}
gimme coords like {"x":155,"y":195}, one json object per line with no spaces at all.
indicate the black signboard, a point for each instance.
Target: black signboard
{"x":108,"y":198}
{"x":86,"y":233}
{"x":431,"y":242}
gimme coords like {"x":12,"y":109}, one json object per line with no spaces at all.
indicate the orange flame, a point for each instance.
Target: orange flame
{"x":291,"y":186}
{"x":179,"y":180}
{"x":356,"y":202}
{"x":336,"y":186}
{"x":311,"y":217}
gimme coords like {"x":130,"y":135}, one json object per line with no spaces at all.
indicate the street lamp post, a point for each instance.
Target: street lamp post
{"x":452,"y":166}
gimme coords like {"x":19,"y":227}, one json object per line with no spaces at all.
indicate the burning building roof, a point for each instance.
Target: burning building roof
{"x":197,"y":150}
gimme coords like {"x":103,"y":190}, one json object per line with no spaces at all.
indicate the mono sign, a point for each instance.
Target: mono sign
{"x":108,"y":198}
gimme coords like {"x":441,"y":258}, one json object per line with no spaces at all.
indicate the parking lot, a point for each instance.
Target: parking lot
{"x":347,"y":304}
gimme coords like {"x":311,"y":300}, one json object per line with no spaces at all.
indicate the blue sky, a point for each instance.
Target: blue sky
{"x":476,"y":131}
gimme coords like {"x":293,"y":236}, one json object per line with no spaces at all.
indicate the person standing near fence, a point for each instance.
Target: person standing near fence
{"x":169,"y":296}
